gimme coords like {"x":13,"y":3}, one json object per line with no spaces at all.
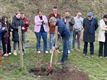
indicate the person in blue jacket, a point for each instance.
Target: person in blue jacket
{"x":63,"y":31}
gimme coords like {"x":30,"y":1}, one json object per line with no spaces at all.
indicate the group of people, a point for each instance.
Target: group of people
{"x":67,"y":28}
{"x":6,"y":27}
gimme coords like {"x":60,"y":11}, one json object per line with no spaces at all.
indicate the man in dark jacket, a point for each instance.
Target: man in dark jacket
{"x":90,"y":25}
{"x":16,"y":23}
{"x":64,"y":32}
{"x":69,"y":21}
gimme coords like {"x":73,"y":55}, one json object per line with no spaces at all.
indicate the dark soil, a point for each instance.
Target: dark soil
{"x":41,"y":71}
{"x":68,"y":74}
{"x":63,"y":73}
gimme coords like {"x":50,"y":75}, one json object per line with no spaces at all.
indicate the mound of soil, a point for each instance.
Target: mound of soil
{"x":63,"y":73}
{"x":68,"y":74}
{"x":41,"y":72}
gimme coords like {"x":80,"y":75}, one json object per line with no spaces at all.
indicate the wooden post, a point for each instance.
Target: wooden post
{"x":56,"y":45}
{"x":20,"y":46}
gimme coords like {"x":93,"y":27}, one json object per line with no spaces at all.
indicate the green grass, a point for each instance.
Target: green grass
{"x":95,"y":67}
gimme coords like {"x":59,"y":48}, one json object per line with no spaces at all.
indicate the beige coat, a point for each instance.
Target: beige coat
{"x":102,"y":29}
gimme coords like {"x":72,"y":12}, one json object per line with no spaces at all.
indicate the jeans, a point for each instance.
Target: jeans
{"x":76,"y":37}
{"x":15,"y":44}
{"x":70,"y":41}
{"x":0,"y":44}
{"x":59,"y":39}
{"x":6,"y":46}
{"x":91,"y":48}
{"x":65,"y":50}
{"x":65,"y":47}
{"x":44,"y":36}
{"x":51,"y":40}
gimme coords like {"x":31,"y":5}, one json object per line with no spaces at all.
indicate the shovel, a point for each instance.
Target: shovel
{"x":49,"y":66}
{"x":20,"y":45}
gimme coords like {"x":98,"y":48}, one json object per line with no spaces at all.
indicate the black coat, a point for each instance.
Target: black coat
{"x":90,"y":27}
{"x":70,"y":22}
{"x":15,"y":25}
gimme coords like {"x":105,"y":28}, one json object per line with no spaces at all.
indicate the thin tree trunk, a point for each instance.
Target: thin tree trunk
{"x":20,"y":47}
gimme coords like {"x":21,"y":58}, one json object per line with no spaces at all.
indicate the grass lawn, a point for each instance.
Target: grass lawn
{"x":95,"y":67}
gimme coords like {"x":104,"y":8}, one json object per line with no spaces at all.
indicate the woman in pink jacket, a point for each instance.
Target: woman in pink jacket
{"x":41,"y":29}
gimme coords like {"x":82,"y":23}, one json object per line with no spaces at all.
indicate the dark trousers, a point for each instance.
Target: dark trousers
{"x":105,"y":46}
{"x":6,"y":46}
{"x":76,"y":37}
{"x":103,"y":49}
{"x":15,"y":44}
{"x":91,"y":48}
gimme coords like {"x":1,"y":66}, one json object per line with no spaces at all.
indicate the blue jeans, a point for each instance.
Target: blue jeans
{"x":70,"y":41}
{"x":51,"y":40}
{"x":44,"y":37}
{"x":65,"y":50}
{"x":65,"y":47}
{"x":0,"y":44}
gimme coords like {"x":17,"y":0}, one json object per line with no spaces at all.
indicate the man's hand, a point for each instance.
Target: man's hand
{"x":23,"y":28}
{"x":3,"y":28}
{"x":26,"y":22}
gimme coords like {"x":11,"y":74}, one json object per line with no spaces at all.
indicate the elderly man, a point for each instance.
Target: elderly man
{"x":69,"y":21}
{"x":90,"y":25}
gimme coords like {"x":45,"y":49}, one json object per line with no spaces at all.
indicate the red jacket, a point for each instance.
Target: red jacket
{"x":26,"y":24}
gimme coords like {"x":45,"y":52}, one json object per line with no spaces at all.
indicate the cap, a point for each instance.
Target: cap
{"x":90,"y":14}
